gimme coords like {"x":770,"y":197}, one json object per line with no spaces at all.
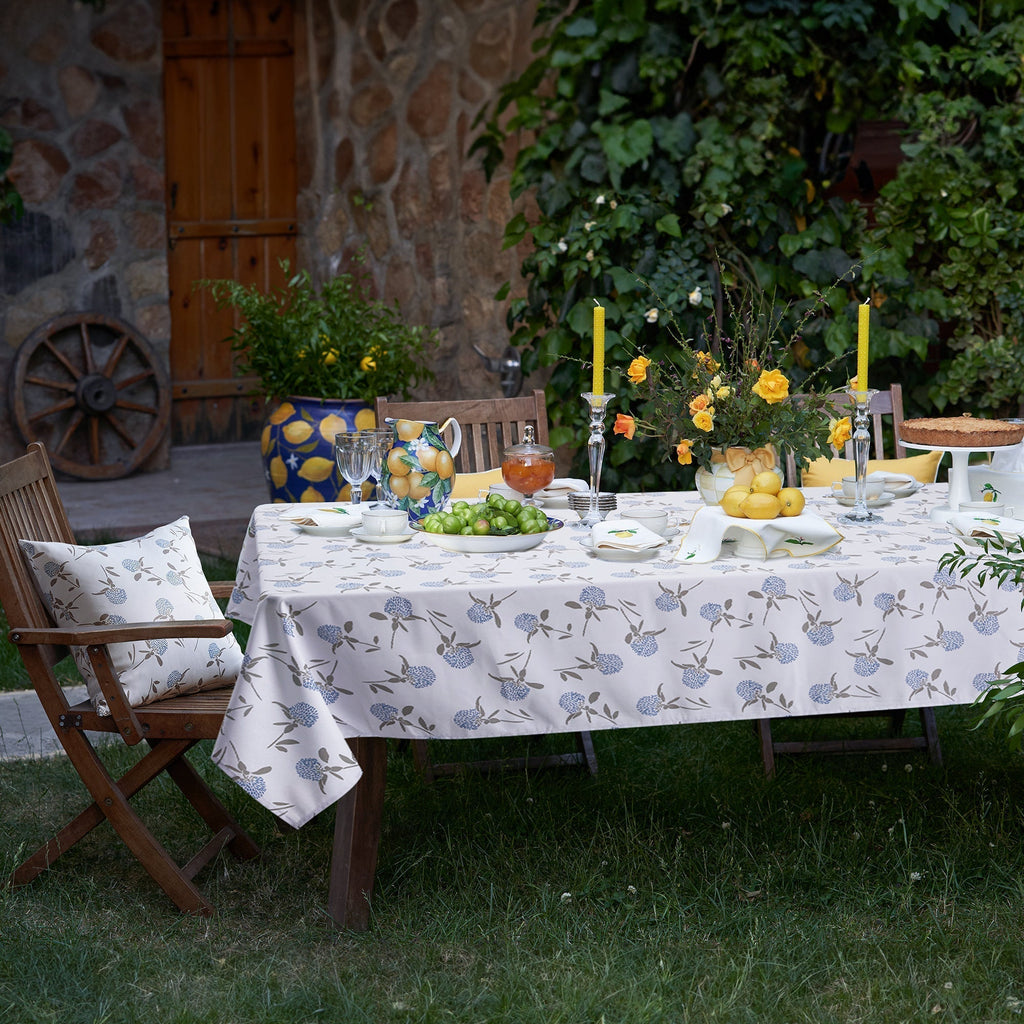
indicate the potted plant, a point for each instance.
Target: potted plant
{"x":722,"y":401}
{"x":322,"y":357}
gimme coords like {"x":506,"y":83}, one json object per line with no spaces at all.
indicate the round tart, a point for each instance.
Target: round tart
{"x":961,"y":432}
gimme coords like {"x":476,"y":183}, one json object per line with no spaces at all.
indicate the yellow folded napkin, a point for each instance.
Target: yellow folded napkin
{"x":798,"y":536}
{"x":624,"y":535}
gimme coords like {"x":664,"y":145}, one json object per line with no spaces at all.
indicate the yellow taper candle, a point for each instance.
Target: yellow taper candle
{"x":598,"y":385}
{"x":863,"y":320}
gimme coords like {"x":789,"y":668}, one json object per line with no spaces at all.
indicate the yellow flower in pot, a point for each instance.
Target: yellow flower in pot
{"x":322,"y":355}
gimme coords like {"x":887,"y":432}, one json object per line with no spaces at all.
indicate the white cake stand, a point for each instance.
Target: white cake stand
{"x":959,"y":490}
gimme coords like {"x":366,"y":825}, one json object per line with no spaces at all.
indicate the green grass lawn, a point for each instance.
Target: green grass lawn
{"x":677,"y":885}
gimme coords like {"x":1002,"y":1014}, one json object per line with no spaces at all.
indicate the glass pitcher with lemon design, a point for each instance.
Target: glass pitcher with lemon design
{"x":419,"y":469}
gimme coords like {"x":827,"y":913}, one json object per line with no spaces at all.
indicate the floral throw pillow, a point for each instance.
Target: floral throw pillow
{"x":154,"y":577}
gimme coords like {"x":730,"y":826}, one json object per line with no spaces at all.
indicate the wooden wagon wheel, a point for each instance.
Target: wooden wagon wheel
{"x":89,"y":387}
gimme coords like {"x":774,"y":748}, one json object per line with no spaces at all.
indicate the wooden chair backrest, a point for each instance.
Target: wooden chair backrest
{"x":489,"y":425}
{"x":884,"y":403}
{"x":30,"y":509}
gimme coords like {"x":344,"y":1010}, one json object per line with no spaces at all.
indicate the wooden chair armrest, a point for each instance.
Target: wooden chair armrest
{"x":95,"y":640}
{"x":123,"y":714}
{"x":81,"y":636}
{"x":222,"y":588}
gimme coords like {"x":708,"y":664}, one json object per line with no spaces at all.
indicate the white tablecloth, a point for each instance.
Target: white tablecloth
{"x":408,"y":640}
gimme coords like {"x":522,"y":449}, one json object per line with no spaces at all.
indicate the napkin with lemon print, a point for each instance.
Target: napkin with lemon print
{"x":713,"y":534}
{"x":624,"y":535}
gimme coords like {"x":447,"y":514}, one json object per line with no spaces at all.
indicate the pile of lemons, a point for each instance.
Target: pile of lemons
{"x":763,"y":498}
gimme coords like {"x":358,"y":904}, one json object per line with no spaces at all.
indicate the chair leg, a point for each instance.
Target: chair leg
{"x":896,"y":720}
{"x":585,"y":742}
{"x":142,"y":772}
{"x":111,"y":802}
{"x":764,"y":732}
{"x":931,"y":735}
{"x":211,"y":810}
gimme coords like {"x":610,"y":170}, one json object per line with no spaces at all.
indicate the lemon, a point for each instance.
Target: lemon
{"x":365,"y":419}
{"x":408,"y":430}
{"x":316,"y":469}
{"x":297,"y":431}
{"x":793,"y":501}
{"x":445,"y":465}
{"x":397,"y":463}
{"x":738,"y":489}
{"x":278,"y":471}
{"x":416,"y":489}
{"x":331,"y":425}
{"x":283,"y":412}
{"x":766,"y":483}
{"x":731,"y":501}
{"x":761,"y":506}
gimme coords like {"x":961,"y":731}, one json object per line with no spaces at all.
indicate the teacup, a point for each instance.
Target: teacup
{"x":874,"y":486}
{"x":657,"y":520}
{"x":989,"y":508}
{"x":381,"y":521}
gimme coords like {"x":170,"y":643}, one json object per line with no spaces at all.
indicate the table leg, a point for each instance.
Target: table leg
{"x":357,"y":836}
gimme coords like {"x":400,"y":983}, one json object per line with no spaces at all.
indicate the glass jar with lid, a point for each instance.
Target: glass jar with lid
{"x":528,"y":467}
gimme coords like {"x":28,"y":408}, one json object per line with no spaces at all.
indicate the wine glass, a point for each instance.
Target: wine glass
{"x":355,"y":452}
{"x":383,"y":437}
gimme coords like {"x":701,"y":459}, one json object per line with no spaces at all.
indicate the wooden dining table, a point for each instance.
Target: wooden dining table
{"x":354,"y":643}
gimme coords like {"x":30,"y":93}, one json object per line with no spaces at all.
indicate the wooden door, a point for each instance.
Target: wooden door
{"x":230,"y":129}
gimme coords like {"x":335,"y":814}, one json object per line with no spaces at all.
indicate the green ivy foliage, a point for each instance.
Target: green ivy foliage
{"x":679,"y":150}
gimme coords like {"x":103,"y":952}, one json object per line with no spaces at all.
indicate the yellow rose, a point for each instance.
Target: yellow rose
{"x":707,"y":361}
{"x":704,"y":421}
{"x":723,"y":392}
{"x":367,"y":363}
{"x":772,"y":386}
{"x":330,"y":357}
{"x":700,"y":403}
{"x":638,"y":369}
{"x":684,"y":450}
{"x":839,"y":431}
{"x":625,"y":425}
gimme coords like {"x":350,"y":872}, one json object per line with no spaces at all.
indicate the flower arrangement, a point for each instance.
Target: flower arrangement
{"x":335,"y":342}
{"x":728,"y":390}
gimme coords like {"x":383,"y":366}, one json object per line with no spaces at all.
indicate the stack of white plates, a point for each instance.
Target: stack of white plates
{"x":579,"y":502}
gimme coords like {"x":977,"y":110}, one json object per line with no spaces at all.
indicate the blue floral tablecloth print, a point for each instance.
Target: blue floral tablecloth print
{"x":350,"y":639}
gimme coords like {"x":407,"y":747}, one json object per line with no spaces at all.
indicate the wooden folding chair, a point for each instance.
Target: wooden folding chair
{"x":489,"y":425}
{"x":31,"y":509}
{"x":884,"y":403}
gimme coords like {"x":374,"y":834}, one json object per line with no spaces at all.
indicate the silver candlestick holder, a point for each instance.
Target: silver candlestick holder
{"x":860,"y":513}
{"x":598,"y":406}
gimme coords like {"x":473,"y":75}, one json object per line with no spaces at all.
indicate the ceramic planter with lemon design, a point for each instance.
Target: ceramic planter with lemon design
{"x":419,"y":471}
{"x":298,"y":447}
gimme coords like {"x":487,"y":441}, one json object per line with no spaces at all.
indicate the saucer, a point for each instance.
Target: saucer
{"x":619,"y":554}
{"x":360,"y":533}
{"x":885,"y":499}
{"x":904,"y":490}
{"x":323,"y":520}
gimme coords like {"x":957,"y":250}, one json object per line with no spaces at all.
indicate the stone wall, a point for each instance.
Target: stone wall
{"x":395,"y":86}
{"x":81,"y":95}
{"x":386,"y":95}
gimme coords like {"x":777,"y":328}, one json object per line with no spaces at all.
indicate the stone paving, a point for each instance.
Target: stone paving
{"x":217,"y":486}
